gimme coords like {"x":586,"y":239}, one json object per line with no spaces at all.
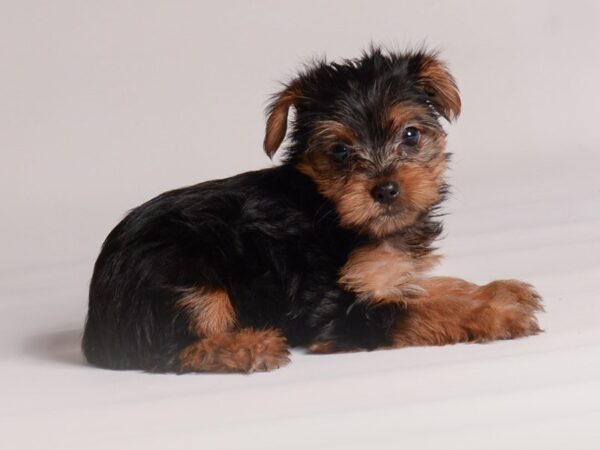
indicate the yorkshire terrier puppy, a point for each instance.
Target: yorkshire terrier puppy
{"x":329,"y":250}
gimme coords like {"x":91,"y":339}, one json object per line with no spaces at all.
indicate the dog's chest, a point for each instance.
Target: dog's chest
{"x":384,"y":271}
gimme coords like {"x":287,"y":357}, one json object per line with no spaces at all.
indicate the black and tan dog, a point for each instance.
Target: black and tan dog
{"x":329,"y":250}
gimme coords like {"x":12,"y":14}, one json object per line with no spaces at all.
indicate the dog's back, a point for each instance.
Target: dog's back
{"x":223,"y":234}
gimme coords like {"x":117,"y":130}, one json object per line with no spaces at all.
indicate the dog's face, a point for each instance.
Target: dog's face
{"x":367,"y":132}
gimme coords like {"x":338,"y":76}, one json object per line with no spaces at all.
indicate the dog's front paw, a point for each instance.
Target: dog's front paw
{"x":322,"y":347}
{"x":508,"y":309}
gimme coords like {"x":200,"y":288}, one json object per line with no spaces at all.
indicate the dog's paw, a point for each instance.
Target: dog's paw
{"x":244,"y":351}
{"x":509,"y":309}
{"x":270,"y":354}
{"x":322,"y":347}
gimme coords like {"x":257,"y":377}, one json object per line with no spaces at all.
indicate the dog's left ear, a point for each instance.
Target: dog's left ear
{"x":433,"y":77}
{"x":277,"y":117}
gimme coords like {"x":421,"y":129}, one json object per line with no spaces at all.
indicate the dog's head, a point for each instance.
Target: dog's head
{"x":366,"y":131}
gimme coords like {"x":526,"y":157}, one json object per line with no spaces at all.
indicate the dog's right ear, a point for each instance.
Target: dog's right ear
{"x":277,"y":117}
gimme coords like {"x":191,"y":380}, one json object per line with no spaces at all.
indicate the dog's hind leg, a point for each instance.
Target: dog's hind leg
{"x":245,"y":350}
{"x":221,"y":345}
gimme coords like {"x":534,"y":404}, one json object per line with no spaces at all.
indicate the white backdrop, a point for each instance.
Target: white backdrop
{"x":106,"y":104}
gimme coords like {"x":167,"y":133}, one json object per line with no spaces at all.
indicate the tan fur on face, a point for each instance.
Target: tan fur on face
{"x":353,"y":201}
{"x":245,"y":351}
{"x":357,"y":209}
{"x":419,"y":190}
{"x":419,"y":176}
{"x":330,"y":132}
{"x":401,"y":114}
{"x":419,"y":185}
{"x":346,"y":192}
{"x":383,"y":273}
{"x":351,"y":194}
{"x":209,"y":313}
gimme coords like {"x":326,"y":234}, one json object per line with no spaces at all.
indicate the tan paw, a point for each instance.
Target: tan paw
{"x":243,"y":351}
{"x":321,"y":347}
{"x":270,"y":354}
{"x":509,"y":308}
{"x":325,"y":347}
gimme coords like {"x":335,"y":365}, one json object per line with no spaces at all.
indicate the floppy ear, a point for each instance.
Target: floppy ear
{"x":277,"y":113}
{"x":437,"y":82}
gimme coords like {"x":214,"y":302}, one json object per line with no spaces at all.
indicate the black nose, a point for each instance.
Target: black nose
{"x":386,"y":192}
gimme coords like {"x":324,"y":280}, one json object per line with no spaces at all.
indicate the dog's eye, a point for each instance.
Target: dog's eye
{"x":339,"y":152}
{"x":410,"y":136}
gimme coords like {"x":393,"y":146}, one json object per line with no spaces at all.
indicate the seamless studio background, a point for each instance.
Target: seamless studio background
{"x":104,"y":105}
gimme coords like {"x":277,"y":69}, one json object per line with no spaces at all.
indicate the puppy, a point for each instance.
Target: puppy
{"x":329,"y":250}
